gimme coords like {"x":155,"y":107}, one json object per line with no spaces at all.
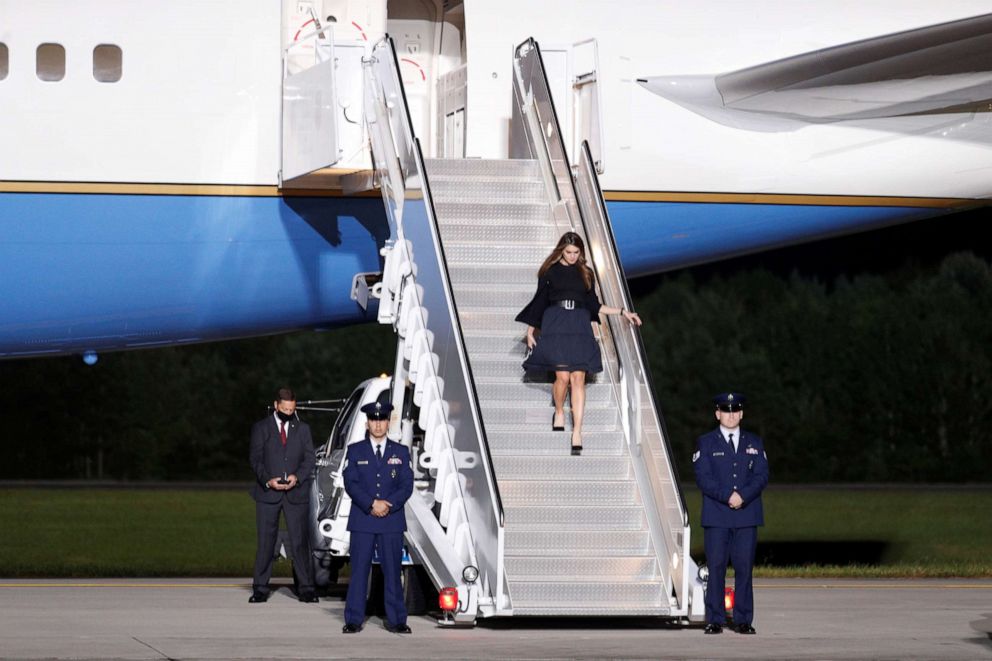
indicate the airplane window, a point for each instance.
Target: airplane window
{"x":107,"y":63}
{"x":50,"y":64}
{"x":4,"y":61}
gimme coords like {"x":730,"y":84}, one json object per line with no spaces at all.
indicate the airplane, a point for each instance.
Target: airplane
{"x":210,"y":173}
{"x":154,"y":189}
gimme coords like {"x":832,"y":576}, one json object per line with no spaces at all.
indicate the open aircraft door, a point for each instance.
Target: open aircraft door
{"x":309,"y":107}
{"x":573,"y":77}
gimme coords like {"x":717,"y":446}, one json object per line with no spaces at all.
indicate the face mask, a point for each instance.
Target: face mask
{"x":285,"y":417}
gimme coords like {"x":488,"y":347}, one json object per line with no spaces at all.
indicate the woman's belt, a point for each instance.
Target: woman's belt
{"x":569,"y":304}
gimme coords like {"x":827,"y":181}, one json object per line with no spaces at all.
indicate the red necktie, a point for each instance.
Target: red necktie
{"x":282,"y":432}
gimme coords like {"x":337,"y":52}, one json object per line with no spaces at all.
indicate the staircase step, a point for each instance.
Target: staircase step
{"x":499,"y":320}
{"x":523,"y":493}
{"x":502,"y":369}
{"x":505,"y":297}
{"x":553,"y":443}
{"x":455,"y":188}
{"x":593,"y":519}
{"x":529,"y":467}
{"x":482,"y":168}
{"x":529,"y":418}
{"x":478,"y":320}
{"x":495,"y":214}
{"x":497,"y":369}
{"x":505,"y":343}
{"x":616,"y":543}
{"x":593,"y":610}
{"x":596,"y":393}
{"x":505,"y":236}
{"x":538,"y":408}
{"x":609,"y":594}
{"x":493,"y":274}
{"x":634,"y":568}
{"x":530,"y":256}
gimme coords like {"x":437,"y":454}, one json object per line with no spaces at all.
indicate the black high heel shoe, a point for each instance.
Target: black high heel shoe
{"x":553,"y":428}
{"x":576,"y":449}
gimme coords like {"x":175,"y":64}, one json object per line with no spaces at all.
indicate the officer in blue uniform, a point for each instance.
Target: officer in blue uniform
{"x":379,"y":479}
{"x":731,"y":470}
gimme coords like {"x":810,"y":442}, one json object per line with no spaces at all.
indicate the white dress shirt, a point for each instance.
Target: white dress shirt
{"x":727,"y":432}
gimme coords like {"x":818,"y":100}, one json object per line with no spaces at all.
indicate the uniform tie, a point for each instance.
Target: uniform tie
{"x":378,"y":452}
{"x":730,"y":439}
{"x":282,"y":433}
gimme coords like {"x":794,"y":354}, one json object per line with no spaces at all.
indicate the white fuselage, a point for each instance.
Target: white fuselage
{"x":199,"y":99}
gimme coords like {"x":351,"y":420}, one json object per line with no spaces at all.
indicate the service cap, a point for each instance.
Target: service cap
{"x":377,"y":410}
{"x":729,"y":401}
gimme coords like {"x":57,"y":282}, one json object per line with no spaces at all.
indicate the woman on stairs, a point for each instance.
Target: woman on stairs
{"x":563,"y":310}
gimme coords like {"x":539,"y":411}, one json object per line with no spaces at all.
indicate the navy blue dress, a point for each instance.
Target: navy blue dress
{"x":566,"y":342}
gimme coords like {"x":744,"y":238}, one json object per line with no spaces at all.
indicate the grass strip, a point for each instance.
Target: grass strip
{"x":909,"y":533}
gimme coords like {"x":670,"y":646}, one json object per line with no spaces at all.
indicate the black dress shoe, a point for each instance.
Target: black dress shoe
{"x":553,"y":427}
{"x":713,"y":628}
{"x":576,"y":450}
{"x":351,"y":628}
{"x":402,"y":628}
{"x":258,"y":598}
{"x":309,"y":597}
{"x":745,"y":629}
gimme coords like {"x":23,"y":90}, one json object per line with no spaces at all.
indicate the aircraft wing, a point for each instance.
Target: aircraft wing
{"x":939,"y":69}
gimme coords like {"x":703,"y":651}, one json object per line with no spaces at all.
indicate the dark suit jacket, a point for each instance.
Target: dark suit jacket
{"x":367,"y":479}
{"x":720,"y":471}
{"x":270,"y":459}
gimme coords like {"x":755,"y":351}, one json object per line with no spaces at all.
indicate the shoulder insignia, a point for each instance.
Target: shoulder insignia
{"x":695,"y":456}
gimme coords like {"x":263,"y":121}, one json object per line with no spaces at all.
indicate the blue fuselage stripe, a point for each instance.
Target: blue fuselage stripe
{"x":100,"y":272}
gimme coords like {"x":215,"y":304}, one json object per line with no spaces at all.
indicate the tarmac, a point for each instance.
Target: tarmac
{"x":212,"y":619}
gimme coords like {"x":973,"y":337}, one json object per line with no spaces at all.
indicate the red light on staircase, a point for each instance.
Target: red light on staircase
{"x":448,"y":599}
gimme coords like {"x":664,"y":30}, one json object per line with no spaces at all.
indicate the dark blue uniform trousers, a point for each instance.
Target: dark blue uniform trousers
{"x":391,"y":556}
{"x":736,"y":545}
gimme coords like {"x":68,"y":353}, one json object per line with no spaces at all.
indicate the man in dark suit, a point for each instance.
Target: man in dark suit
{"x":283,"y":460}
{"x":379,"y":479}
{"x":731,"y":470}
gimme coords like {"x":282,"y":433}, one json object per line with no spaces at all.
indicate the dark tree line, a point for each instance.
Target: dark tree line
{"x":881,"y":376}
{"x":870,"y":379}
{"x":180,"y":413}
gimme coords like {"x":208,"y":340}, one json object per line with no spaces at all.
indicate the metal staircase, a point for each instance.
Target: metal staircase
{"x":605,"y":533}
{"x":577,"y":541}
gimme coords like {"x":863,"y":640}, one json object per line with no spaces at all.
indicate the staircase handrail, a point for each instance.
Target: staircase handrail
{"x":403,"y":179}
{"x":536,"y":119}
{"x":637,"y":386}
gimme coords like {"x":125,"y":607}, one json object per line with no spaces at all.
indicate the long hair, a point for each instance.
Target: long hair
{"x":569,"y":239}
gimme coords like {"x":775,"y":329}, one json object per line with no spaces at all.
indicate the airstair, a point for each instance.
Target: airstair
{"x":605,"y":533}
{"x":577,"y":541}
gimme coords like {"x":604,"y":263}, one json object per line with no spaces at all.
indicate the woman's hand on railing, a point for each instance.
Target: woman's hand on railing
{"x":632,"y":317}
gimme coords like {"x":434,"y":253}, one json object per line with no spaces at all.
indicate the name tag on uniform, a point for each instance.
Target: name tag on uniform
{"x":362,"y":462}
{"x":752,"y":450}
{"x":394,"y":460}
{"x":718,"y":454}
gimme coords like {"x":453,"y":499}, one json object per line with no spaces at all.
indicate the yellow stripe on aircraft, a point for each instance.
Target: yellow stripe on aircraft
{"x":225,"y":190}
